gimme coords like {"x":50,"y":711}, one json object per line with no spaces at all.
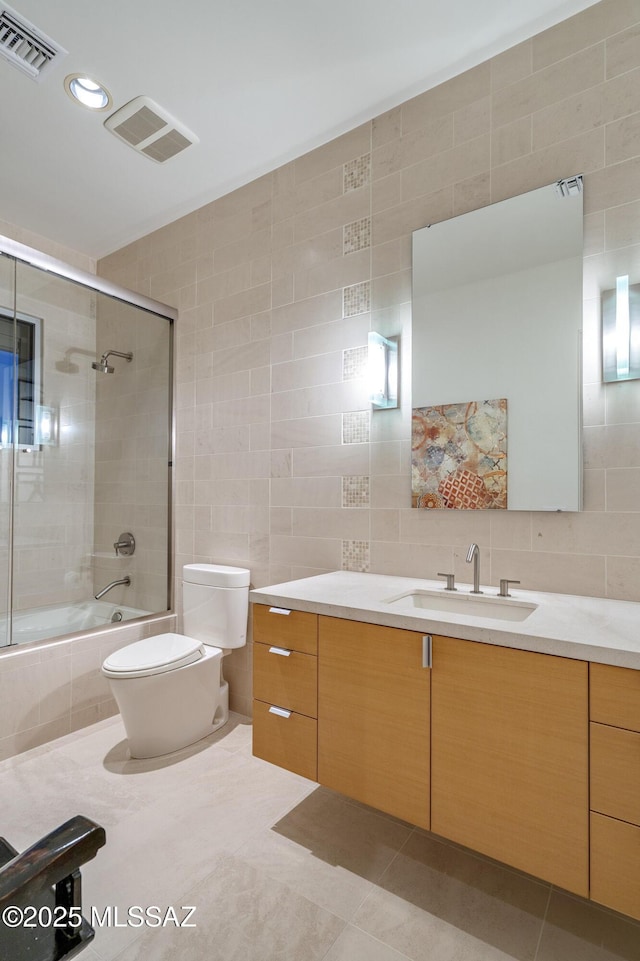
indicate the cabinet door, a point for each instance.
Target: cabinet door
{"x":510,"y":757}
{"x":373,"y":716}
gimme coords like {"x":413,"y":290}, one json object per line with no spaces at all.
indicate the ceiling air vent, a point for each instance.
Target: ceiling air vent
{"x":25,"y":46}
{"x":150,"y":130}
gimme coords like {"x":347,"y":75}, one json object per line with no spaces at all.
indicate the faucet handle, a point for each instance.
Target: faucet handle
{"x":451,"y":583}
{"x":504,"y":587}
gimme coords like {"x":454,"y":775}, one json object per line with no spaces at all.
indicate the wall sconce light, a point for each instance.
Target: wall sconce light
{"x":621,"y":331}
{"x":46,"y":432}
{"x":383,"y":371}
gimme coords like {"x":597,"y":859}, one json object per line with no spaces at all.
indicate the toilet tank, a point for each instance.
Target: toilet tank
{"x":215,"y":601}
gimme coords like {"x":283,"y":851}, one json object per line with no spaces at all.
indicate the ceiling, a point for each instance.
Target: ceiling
{"x":259,"y":82}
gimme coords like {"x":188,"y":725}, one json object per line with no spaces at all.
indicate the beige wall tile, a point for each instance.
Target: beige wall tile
{"x":315,"y":552}
{"x":331,"y":461}
{"x":623,"y":51}
{"x":582,"y":30}
{"x":433,"y":137}
{"x":347,"y":147}
{"x":622,"y":489}
{"x":512,"y":65}
{"x":344,"y":210}
{"x":590,"y":108}
{"x":612,"y":185}
{"x":594,"y":490}
{"x":446,"y":168}
{"x":549,"y":85}
{"x":622,"y":139}
{"x":623,"y":578}
{"x":306,"y":491}
{"x":539,"y":571}
{"x":344,"y":523}
{"x":622,"y":226}
{"x":306,"y":371}
{"x":581,"y":154}
{"x":307,"y":432}
{"x":449,"y":96}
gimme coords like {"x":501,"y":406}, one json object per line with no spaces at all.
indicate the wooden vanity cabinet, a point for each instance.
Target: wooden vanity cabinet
{"x":509,"y":757}
{"x":615,"y":787}
{"x":285,"y":726}
{"x":374,"y":716}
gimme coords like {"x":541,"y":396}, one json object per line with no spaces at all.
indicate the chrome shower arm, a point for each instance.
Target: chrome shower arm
{"x":117,"y":353}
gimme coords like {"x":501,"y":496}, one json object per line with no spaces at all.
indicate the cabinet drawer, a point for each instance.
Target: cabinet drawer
{"x":615,"y":864}
{"x":615,"y":696}
{"x":297,"y":630}
{"x":615,"y":772}
{"x":290,"y":742}
{"x":289,"y":679}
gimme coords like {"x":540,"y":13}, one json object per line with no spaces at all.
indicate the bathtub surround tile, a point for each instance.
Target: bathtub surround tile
{"x":48,"y":688}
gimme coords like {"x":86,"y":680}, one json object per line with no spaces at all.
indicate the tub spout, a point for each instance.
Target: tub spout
{"x":123,"y":580}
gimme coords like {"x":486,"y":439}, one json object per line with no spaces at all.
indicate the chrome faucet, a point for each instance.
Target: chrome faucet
{"x":123,"y":580}
{"x":473,"y":554}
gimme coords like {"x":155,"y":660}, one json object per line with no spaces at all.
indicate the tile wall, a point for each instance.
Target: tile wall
{"x":281,"y":465}
{"x":132,"y":444}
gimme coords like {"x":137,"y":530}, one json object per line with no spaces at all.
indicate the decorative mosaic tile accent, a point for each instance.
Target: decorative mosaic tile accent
{"x":355,"y":491}
{"x":357,"y":173}
{"x":356,"y":236}
{"x":356,"y":299}
{"x":355,"y":556}
{"x":355,"y":427}
{"x":354,"y":362}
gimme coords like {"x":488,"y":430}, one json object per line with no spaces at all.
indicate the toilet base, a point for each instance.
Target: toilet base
{"x":164,"y":713}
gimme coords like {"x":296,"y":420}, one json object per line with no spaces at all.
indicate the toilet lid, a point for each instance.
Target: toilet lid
{"x":154,"y":655}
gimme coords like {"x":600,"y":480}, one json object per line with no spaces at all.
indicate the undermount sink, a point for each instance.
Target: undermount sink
{"x":503,"y":608}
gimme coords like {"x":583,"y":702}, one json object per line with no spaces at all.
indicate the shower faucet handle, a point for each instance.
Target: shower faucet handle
{"x":125,"y":545}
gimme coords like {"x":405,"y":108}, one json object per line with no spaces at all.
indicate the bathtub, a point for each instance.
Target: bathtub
{"x":40,"y":623}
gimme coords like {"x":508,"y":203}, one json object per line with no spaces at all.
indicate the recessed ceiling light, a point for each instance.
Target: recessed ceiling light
{"x":87,"y":92}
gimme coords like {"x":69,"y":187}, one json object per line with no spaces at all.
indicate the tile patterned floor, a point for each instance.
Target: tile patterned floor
{"x":280,"y":869}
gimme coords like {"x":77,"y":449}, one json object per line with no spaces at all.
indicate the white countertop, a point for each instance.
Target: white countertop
{"x":586,"y":628}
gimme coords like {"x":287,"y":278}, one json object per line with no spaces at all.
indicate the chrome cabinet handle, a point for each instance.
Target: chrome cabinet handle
{"x":280,"y":650}
{"x":427,"y":650}
{"x":279,"y":610}
{"x":280,"y":711}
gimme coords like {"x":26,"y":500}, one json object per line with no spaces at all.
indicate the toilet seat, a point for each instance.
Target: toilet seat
{"x":153,"y":655}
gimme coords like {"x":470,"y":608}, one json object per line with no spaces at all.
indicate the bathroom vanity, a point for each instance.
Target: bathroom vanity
{"x":513,"y":730}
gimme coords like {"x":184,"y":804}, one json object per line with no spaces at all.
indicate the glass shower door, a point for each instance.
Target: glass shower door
{"x":54,"y":454}
{"x":7,"y":371}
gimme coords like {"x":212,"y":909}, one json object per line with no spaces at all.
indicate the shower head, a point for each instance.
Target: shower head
{"x":103,"y":367}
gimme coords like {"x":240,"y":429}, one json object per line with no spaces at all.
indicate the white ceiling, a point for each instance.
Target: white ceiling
{"x":258,"y":81}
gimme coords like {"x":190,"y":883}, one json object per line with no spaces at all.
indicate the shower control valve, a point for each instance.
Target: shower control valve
{"x":125,"y":545}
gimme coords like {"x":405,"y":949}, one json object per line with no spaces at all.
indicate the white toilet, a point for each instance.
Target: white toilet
{"x":169,"y":688}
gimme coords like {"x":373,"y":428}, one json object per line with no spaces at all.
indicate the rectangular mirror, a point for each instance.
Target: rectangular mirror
{"x":496,"y":355}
